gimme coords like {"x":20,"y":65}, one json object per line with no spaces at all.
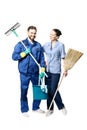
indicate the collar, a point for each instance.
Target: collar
{"x":30,"y":41}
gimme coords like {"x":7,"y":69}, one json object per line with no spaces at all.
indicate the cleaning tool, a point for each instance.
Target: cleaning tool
{"x":71,"y":58}
{"x":13,"y":30}
{"x":40,"y":90}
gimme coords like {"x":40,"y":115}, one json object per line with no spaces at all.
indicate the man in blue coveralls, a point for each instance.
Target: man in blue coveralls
{"x":28,"y":69}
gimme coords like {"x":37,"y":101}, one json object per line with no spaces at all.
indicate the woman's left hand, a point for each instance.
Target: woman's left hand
{"x":65,"y":73}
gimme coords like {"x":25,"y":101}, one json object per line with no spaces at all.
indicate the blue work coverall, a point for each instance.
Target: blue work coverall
{"x":28,"y":69}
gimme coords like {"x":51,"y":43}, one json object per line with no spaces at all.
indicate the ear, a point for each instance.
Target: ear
{"x":27,"y":31}
{"x":57,"y":37}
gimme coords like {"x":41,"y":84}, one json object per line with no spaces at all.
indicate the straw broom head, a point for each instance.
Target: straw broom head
{"x":71,"y":58}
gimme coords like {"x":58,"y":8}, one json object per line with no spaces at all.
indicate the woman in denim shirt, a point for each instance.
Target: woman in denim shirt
{"x":54,"y":51}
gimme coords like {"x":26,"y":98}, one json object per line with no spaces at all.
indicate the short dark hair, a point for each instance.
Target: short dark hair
{"x":31,"y":27}
{"x":57,"y":31}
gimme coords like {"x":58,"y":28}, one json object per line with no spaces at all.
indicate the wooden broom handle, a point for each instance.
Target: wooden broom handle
{"x":56,"y":91}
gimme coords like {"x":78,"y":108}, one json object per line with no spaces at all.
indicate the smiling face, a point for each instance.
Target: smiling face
{"x":32,"y":34}
{"x":53,"y":36}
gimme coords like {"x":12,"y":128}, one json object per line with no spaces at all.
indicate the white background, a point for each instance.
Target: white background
{"x":70,"y":16}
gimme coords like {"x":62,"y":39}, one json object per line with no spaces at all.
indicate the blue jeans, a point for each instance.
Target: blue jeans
{"x":25,"y":80}
{"x":52,"y":83}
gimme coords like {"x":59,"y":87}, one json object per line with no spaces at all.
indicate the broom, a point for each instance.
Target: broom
{"x":71,"y":58}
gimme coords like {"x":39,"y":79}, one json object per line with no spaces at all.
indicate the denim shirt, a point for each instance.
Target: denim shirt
{"x":54,"y":56}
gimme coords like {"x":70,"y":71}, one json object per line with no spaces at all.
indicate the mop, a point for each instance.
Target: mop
{"x":39,"y":87}
{"x":71,"y":58}
{"x":13,"y":30}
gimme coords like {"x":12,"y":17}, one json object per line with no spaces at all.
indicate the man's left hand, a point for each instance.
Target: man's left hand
{"x":42,"y":72}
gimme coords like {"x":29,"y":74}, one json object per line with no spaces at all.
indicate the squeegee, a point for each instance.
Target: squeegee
{"x":13,"y":30}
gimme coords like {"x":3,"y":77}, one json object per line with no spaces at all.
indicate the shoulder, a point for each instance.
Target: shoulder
{"x":60,"y":44}
{"x":19,"y":44}
{"x":38,"y":44}
{"x":47,"y":44}
{"x":25,"y":41}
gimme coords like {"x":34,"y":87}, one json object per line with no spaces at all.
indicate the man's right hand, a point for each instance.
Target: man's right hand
{"x":24,"y":53}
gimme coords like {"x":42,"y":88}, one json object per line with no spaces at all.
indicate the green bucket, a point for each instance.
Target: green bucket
{"x":38,"y":93}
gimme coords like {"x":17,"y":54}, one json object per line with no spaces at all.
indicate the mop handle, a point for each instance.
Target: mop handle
{"x":29,"y":53}
{"x":56,"y":92}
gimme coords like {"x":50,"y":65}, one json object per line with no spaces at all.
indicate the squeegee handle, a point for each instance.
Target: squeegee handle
{"x":37,"y":63}
{"x":15,"y":33}
{"x":26,"y":48}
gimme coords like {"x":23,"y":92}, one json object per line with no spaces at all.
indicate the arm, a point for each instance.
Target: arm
{"x":63,"y":54}
{"x":20,"y":52}
{"x":42,"y":64}
{"x":42,"y":58}
{"x":65,"y":72}
{"x":16,"y":52}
